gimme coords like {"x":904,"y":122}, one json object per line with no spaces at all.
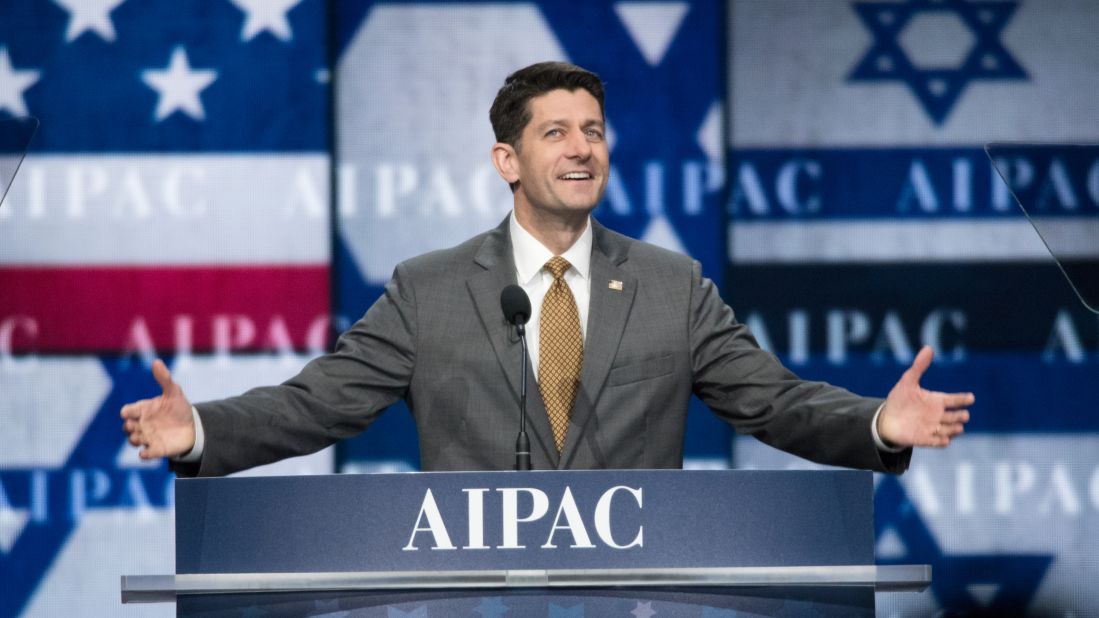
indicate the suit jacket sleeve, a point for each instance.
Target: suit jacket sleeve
{"x":335,"y":396}
{"x":750,"y":389}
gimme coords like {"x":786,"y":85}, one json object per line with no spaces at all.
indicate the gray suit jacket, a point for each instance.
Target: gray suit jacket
{"x":438,"y":339}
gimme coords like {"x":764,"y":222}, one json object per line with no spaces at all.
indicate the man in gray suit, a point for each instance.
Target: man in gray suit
{"x":621,"y":334}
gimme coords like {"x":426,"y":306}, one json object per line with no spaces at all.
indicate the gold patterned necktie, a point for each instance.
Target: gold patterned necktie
{"x":560,"y":350}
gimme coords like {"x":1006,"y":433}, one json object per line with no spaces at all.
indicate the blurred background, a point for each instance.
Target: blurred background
{"x":226,"y":183}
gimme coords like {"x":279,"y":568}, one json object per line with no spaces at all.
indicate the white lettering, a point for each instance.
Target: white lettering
{"x":931,"y":332}
{"x":441,"y":195}
{"x":278,"y":337}
{"x":755,"y":323}
{"x":181,"y":187}
{"x":749,"y":189}
{"x":140,"y":341}
{"x":798,"y":323}
{"x":183,"y":327}
{"x":484,"y":187}
{"x":1093,"y":488}
{"x":603,"y":518}
{"x":39,"y":496}
{"x":616,"y":195}
{"x":232,"y":332}
{"x":133,"y":201}
{"x":85,"y":488}
{"x":347,"y":183}
{"x":918,"y":188}
{"x":392,"y":182}
{"x":574,"y":523}
{"x":1065,"y":338}
{"x":136,"y":492}
{"x":1093,"y":182}
{"x":435,"y":526}
{"x":786,"y":186}
{"x":1060,"y":490}
{"x":1018,"y":173}
{"x":305,"y":196}
{"x":475,"y":504}
{"x":1010,"y":482}
{"x":316,"y":337}
{"x":892,"y":338}
{"x":1058,"y":186}
{"x":654,"y":187}
{"x":963,"y":184}
{"x":965,"y":492}
{"x":83,"y":181}
{"x":510,"y":513}
{"x":845,"y":327}
{"x":692,"y":187}
{"x":923,"y":491}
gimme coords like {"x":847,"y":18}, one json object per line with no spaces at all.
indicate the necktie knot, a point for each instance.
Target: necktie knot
{"x":557,"y":266}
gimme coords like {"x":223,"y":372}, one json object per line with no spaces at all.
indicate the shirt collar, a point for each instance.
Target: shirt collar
{"x":531,"y":255}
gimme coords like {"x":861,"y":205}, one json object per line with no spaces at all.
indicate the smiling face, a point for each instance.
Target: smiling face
{"x":561,"y":161}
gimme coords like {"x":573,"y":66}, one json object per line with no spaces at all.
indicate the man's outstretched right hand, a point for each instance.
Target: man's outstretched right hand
{"x":163,"y":426}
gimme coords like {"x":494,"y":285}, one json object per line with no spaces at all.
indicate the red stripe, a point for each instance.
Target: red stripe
{"x":203,"y":308}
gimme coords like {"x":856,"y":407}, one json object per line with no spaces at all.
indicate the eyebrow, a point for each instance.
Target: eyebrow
{"x":562,"y":122}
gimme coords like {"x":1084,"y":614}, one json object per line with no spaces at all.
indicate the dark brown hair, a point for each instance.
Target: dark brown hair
{"x":510,"y":112}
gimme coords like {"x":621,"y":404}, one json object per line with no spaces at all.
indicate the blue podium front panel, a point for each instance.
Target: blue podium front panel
{"x":524,"y":520}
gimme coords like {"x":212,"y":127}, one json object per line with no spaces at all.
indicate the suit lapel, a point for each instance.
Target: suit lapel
{"x":497,"y":272}
{"x":612,"y":294}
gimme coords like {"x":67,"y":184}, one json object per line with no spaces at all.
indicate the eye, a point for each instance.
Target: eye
{"x":554,"y":133}
{"x":594,"y":134}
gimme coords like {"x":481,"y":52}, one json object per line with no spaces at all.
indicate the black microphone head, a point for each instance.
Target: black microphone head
{"x":516,"y":305}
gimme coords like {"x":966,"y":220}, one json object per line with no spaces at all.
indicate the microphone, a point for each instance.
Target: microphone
{"x":516,"y":306}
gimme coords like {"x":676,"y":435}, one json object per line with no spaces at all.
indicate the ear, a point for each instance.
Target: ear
{"x":504,"y":158}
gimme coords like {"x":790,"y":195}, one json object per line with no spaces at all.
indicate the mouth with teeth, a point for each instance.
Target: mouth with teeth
{"x":576,"y":176}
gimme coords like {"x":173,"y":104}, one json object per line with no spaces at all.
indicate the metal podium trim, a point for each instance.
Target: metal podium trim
{"x":166,"y":588}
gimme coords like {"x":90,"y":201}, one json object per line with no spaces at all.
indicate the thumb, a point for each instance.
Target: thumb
{"x":920,"y":365}
{"x":163,"y":376}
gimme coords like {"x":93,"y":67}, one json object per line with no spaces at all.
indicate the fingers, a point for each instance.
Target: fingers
{"x":960,"y":417}
{"x":951,"y":430}
{"x":952,"y":425}
{"x":162,"y":375}
{"x":132,"y":411}
{"x":953,"y":401}
{"x":920,"y":365}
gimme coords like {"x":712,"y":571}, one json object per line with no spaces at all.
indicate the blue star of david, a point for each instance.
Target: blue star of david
{"x":23,"y":568}
{"x":1015,"y":576}
{"x":936,"y":89}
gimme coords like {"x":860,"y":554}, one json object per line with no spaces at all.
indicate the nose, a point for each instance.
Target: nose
{"x":577,"y":146}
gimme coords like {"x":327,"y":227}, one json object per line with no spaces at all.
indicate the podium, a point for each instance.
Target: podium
{"x":566,"y":543}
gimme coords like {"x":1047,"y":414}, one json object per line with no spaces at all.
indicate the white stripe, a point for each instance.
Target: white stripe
{"x":176,"y":209}
{"x":789,"y":61}
{"x":918,"y":241}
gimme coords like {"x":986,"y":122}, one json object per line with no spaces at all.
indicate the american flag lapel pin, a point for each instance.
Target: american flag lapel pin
{"x":615,"y":285}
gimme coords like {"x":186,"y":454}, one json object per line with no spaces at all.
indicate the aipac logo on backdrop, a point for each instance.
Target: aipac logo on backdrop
{"x":41,"y":507}
{"x":936,"y":48}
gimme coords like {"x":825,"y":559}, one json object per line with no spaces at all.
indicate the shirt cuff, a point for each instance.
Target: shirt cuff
{"x":195,"y":454}
{"x":878,"y":442}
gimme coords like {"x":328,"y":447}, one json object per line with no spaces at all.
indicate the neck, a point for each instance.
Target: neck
{"x":556,"y":233}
